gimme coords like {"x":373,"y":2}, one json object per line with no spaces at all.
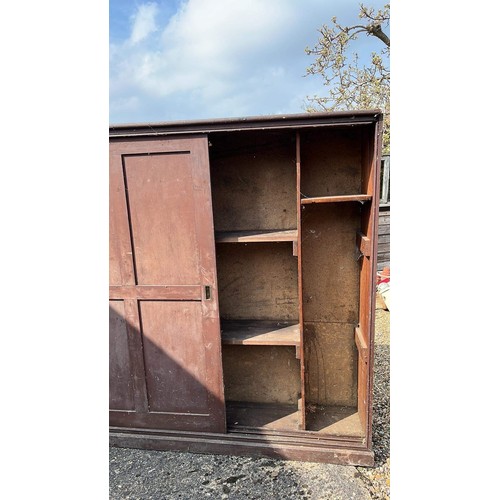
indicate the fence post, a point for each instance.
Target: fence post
{"x":384,"y":197}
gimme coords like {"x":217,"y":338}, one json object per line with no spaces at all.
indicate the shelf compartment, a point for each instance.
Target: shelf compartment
{"x":257,"y":236}
{"x":336,"y":199}
{"x":241,"y":416}
{"x":334,"y":420}
{"x":250,"y":332}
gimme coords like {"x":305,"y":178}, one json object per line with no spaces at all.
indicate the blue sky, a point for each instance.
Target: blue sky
{"x":190,"y":59}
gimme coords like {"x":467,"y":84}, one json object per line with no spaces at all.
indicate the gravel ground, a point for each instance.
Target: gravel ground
{"x":141,"y":474}
{"x":377,"y":479}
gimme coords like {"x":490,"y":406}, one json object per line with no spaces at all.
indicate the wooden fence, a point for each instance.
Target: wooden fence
{"x":384,"y":218}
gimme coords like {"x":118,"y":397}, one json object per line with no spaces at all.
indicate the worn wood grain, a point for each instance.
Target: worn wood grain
{"x":336,"y":199}
{"x":260,"y":333}
{"x":253,"y":181}
{"x":257,"y":281}
{"x":331,"y":364}
{"x":331,"y":162}
{"x":330,"y":270}
{"x":256,"y":236}
{"x":261,"y":374}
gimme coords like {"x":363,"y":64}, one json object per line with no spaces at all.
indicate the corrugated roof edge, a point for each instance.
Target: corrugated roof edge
{"x":244,"y":123}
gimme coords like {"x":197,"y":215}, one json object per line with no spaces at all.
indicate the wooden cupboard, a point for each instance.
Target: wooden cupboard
{"x":242,"y":281}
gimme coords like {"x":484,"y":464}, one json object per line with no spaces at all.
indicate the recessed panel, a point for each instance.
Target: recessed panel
{"x":121,"y":396}
{"x":174,"y":356}
{"x":162,"y":216}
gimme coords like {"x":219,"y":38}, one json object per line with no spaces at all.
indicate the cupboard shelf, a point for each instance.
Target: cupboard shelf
{"x":336,"y":199}
{"x":256,"y":236}
{"x":251,"y":332}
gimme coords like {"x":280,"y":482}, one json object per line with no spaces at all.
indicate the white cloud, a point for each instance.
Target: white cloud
{"x":144,"y":22}
{"x":216,"y":58}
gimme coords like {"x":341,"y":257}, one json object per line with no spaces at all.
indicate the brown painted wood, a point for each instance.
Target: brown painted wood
{"x":335,"y":199}
{"x":335,"y":119}
{"x":171,"y":319}
{"x":361,"y":344}
{"x":121,"y":383}
{"x":365,"y":286}
{"x":163,"y":245}
{"x":376,"y":144}
{"x":260,"y":333}
{"x":289,"y":436}
{"x":121,"y":264}
{"x":368,"y":267}
{"x":162,"y":217}
{"x":303,"y":395}
{"x":158,"y":292}
{"x":257,"y":445}
{"x":132,"y":318}
{"x":364,"y":244}
{"x":174,"y":356}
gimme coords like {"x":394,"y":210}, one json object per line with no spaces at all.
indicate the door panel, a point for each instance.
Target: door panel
{"x":172,"y":349}
{"x":162,"y":257}
{"x":162,"y":215}
{"x":121,"y":390}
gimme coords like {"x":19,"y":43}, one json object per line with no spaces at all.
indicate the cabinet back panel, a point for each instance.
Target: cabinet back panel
{"x":261,"y":374}
{"x":330,"y":287}
{"x":330,"y":265}
{"x":257,"y":281}
{"x":331,"y":162}
{"x":253,"y":181}
{"x":331,"y":364}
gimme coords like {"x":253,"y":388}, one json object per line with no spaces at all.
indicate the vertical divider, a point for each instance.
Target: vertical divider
{"x":302,"y":403}
{"x":368,"y":271}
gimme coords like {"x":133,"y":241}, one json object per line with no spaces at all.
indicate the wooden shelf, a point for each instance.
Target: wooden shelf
{"x":256,"y":236}
{"x":336,"y":199}
{"x":251,"y":332}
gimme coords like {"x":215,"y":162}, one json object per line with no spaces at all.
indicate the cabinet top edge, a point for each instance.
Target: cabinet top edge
{"x":333,"y":118}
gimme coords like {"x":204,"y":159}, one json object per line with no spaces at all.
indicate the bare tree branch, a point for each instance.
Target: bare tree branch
{"x":350,"y":84}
